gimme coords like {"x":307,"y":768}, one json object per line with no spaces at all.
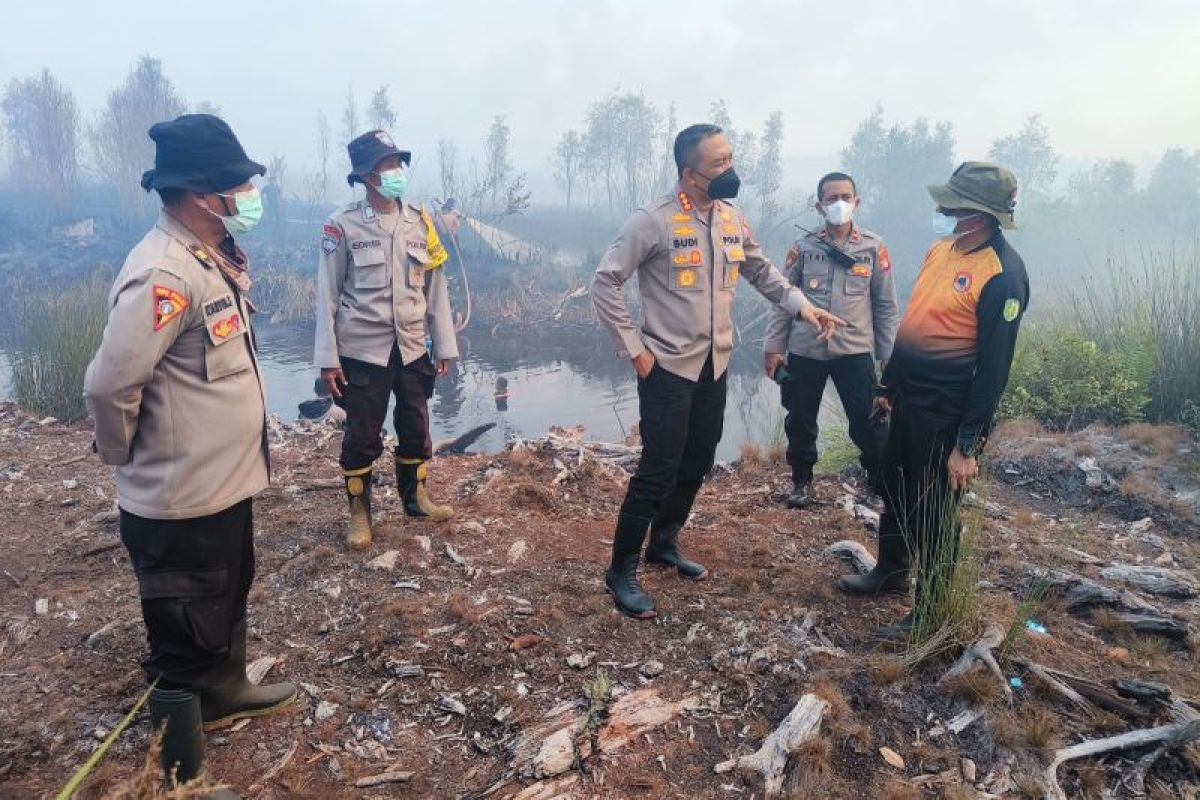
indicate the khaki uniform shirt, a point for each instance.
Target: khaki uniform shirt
{"x":863,"y":295}
{"x":379,"y":282}
{"x":175,"y":390}
{"x":688,"y":263}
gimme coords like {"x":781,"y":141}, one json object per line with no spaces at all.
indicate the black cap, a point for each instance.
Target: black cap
{"x":368,"y":150}
{"x":198,"y":152}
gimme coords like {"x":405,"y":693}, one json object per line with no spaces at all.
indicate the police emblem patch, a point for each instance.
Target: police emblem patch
{"x":222,"y":329}
{"x":331,"y":236}
{"x":168,"y":304}
{"x":962,"y":282}
{"x":1012,"y":309}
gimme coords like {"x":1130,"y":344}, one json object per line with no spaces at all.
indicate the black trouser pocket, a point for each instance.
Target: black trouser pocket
{"x":189,"y":612}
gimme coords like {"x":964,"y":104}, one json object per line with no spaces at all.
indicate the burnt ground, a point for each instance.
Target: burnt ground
{"x":408,"y":666}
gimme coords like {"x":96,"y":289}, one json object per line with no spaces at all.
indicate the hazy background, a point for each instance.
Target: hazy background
{"x":549,"y":122}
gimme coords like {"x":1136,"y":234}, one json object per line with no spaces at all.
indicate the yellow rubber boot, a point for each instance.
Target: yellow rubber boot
{"x":358,"y":491}
{"x":410,"y":479}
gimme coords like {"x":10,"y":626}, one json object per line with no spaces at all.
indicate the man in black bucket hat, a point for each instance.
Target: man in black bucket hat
{"x":177,"y":399}
{"x":383,"y":327}
{"x":941,"y":387}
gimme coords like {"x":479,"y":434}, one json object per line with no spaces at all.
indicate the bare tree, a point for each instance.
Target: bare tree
{"x":448,"y":168}
{"x":123,"y":150}
{"x":497,"y":167}
{"x":669,"y":173}
{"x":42,"y":122}
{"x":380,"y":112}
{"x":350,"y":115}
{"x":620,"y":147}
{"x":323,"y":143}
{"x":769,"y":170}
{"x":567,"y":162}
{"x":1030,"y":155}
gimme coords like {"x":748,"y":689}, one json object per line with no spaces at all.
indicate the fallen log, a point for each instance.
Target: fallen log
{"x":1169,"y":736}
{"x":771,"y":758}
{"x":1155,"y":580}
{"x":1155,"y":625}
{"x":1079,"y":593}
{"x":853,"y":554}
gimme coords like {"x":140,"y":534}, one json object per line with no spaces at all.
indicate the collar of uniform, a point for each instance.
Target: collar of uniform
{"x":182,"y":234}
{"x":854,"y":237}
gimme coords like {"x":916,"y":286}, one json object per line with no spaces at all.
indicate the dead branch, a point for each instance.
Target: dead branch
{"x":392,"y":776}
{"x":853,"y":554}
{"x":1054,"y":684}
{"x":981,"y":652}
{"x":1080,"y":593}
{"x":1155,"y":580}
{"x":771,"y":758}
{"x":1172,"y":735}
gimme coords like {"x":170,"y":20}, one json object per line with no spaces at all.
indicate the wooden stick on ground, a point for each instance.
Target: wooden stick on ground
{"x":981,"y":652}
{"x":1054,"y":684}
{"x":771,"y":758}
{"x":1172,"y":735}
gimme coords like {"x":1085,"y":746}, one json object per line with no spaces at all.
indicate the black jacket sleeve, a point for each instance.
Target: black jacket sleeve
{"x":1001,"y":307}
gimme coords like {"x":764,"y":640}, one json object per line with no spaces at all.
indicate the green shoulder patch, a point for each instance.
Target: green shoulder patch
{"x":1012,"y":308}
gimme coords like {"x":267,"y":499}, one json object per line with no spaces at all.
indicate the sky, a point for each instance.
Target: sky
{"x":1110,"y":79}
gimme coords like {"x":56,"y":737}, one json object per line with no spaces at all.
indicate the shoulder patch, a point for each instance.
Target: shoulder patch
{"x":793,"y":255}
{"x":1012,"y":309}
{"x":168,"y":304}
{"x":885,"y":258}
{"x":331,"y":237}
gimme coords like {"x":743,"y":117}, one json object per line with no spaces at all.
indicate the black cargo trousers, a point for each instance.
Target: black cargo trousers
{"x":681,"y":425}
{"x":855,"y":380}
{"x":920,"y":521}
{"x":365,"y":399}
{"x":193,"y":578}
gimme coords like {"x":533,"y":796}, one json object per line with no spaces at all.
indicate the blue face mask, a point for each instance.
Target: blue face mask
{"x":393,"y":183}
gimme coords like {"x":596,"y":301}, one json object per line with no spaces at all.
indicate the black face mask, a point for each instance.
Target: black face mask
{"x":725,"y":186}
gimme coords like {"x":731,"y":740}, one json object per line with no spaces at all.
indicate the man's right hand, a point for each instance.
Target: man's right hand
{"x":643,"y":362}
{"x":881,"y":408}
{"x":772,"y":362}
{"x":334,"y":379}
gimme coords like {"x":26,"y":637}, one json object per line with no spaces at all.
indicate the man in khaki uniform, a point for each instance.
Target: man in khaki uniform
{"x":688,"y":249}
{"x":177,"y":400}
{"x":381,"y":298}
{"x":846,"y":269}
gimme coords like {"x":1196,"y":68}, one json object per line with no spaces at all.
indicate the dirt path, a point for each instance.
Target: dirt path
{"x":439,"y":663}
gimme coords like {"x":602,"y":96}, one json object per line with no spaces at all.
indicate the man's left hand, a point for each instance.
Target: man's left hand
{"x":962,"y":469}
{"x":825,"y":323}
{"x":443,"y":366}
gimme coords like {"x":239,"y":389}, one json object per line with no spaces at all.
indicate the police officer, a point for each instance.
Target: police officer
{"x":943,"y":382}
{"x":688,"y":249}
{"x":177,"y":399}
{"x":846,"y":269}
{"x":381,"y":297}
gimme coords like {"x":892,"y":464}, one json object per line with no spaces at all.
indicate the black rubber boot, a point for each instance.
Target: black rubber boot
{"x":880,"y":580}
{"x":663,"y":549}
{"x":801,"y":496}
{"x":358,"y":493}
{"x":232,"y":696}
{"x":621,"y":579}
{"x":410,"y":482}
{"x":898,"y":631}
{"x":183,"y":736}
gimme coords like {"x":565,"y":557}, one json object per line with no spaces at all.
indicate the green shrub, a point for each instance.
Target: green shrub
{"x":1066,"y":381}
{"x":52,"y":341}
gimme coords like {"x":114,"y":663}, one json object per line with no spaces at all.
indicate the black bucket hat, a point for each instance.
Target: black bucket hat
{"x":368,"y":150}
{"x":199,"y":153}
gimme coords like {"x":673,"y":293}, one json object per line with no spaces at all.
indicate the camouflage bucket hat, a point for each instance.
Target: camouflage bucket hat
{"x":980,"y":186}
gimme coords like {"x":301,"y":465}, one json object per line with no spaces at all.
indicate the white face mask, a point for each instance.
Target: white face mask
{"x":944,"y":224}
{"x":838,"y":213}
